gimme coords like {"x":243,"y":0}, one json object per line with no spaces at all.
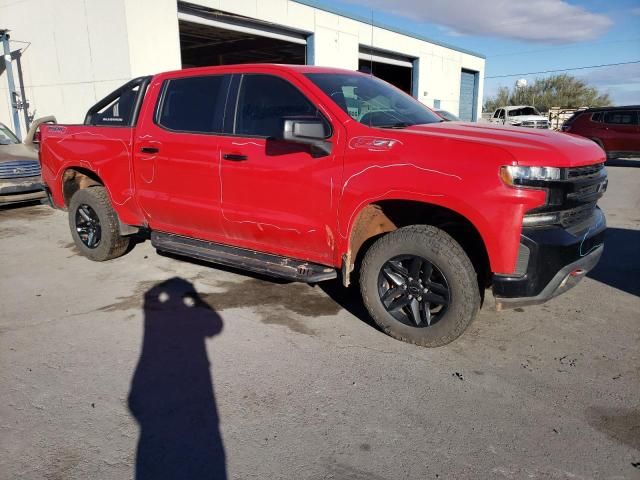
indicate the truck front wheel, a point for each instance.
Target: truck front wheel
{"x":419,"y":286}
{"x":94,"y":225}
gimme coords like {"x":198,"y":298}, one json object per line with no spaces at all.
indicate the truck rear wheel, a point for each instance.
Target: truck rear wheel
{"x":419,"y":286}
{"x":94,"y":225}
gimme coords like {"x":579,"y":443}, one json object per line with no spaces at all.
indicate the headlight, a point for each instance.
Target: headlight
{"x":521,"y":176}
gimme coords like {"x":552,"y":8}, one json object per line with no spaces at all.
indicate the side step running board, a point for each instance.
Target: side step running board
{"x":273,"y":265}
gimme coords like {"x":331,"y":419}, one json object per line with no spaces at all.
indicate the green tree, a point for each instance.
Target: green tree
{"x":563,"y":91}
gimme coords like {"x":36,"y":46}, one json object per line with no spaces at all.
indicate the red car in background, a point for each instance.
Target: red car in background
{"x":615,"y":129}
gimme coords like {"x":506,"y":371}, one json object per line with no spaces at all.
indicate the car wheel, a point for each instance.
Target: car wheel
{"x":94,"y":225}
{"x":419,"y":286}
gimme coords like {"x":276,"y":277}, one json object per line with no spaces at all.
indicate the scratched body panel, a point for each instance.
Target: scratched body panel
{"x":284,"y":201}
{"x":106,"y":151}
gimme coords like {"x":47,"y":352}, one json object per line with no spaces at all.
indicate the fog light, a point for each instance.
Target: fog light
{"x":541,"y":219}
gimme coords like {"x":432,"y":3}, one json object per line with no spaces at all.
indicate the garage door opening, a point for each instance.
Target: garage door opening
{"x":468,"y":96}
{"x":215,"y":38}
{"x":391,"y":68}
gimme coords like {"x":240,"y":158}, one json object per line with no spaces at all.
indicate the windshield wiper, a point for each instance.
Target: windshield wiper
{"x":396,"y":125}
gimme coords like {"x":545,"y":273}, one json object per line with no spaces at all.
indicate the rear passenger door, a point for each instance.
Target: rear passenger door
{"x":176,"y":155}
{"x":621,"y":131}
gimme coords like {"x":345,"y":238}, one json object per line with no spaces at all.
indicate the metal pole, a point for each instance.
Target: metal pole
{"x":4,"y":36}
{"x":23,"y":94}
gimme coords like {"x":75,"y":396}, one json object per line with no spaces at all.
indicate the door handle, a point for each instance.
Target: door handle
{"x":149,"y":149}
{"x":236,"y":157}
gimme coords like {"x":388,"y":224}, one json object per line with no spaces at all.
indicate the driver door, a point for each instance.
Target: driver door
{"x":276,"y":196}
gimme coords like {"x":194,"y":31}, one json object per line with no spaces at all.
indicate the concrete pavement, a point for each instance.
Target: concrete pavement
{"x":103,"y":363}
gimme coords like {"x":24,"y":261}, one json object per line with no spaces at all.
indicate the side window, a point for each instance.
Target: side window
{"x":265,"y":102}
{"x":496,"y":114}
{"x":596,"y":117}
{"x":118,"y":112}
{"x":193,"y":104}
{"x":501,"y":113}
{"x":620,"y":117}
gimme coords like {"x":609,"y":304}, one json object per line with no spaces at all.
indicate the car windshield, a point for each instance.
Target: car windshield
{"x":448,"y":115}
{"x":523,"y":111}
{"x":372,"y":101}
{"x":7,"y":137}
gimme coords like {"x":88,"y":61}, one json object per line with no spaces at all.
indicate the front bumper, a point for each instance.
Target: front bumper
{"x":21,"y":190}
{"x":557,"y":260}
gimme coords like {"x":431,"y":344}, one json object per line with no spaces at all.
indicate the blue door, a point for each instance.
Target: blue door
{"x":468,"y":96}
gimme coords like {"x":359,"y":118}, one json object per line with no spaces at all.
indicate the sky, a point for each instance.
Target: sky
{"x":523,"y":36}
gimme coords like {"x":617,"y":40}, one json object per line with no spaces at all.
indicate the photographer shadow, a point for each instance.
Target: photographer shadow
{"x":172,"y":396}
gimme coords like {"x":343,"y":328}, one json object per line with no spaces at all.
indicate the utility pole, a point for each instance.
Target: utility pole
{"x":13,"y":95}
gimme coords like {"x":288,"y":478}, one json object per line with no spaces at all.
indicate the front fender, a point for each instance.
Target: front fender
{"x":494,"y":209}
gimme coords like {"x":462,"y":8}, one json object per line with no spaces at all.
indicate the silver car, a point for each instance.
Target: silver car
{"x":20,"y":179}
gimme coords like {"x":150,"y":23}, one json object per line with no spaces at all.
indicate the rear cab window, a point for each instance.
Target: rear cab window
{"x":121,"y":107}
{"x":193,"y":104}
{"x":119,"y":112}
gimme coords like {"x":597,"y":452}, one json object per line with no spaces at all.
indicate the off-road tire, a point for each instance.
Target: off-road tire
{"x":447,"y":255}
{"x":112,"y":244}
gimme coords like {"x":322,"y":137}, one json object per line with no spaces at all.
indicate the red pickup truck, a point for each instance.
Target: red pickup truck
{"x":311,"y":174}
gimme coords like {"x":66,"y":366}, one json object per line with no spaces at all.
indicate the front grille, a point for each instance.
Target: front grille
{"x":577,"y":215}
{"x":572,"y":200}
{"x":19,"y":169}
{"x":585,"y":191}
{"x":584,"y":172}
{"x":535,"y":124}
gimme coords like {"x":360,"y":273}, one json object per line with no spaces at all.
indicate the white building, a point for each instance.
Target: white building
{"x":74,"y":52}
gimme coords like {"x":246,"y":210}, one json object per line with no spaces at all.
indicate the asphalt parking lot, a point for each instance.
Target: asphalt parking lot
{"x":107,"y":372}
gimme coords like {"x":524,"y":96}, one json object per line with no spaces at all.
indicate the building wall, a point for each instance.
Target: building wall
{"x":337,"y":39}
{"x":80,"y":50}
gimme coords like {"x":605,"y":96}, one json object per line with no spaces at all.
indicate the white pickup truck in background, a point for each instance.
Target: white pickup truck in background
{"x":519,"y":116}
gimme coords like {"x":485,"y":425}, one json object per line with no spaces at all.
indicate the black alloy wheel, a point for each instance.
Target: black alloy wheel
{"x":88,"y":226}
{"x":413,"y":290}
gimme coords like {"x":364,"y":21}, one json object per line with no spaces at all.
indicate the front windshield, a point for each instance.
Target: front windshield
{"x":373,"y":102}
{"x":7,"y":137}
{"x":518,"y":112}
{"x":448,"y":116}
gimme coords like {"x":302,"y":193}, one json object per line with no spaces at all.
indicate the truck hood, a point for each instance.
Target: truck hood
{"x":525,"y":146}
{"x":19,"y":151}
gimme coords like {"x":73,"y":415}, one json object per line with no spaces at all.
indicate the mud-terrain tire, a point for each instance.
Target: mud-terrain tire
{"x":445,"y":277}
{"x":90,"y":210}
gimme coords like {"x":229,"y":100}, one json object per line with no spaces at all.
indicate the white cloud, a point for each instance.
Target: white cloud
{"x":622,"y":82}
{"x":610,"y":76}
{"x":545,"y":21}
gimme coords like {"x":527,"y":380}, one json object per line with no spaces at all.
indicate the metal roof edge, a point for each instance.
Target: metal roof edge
{"x":318,"y":4}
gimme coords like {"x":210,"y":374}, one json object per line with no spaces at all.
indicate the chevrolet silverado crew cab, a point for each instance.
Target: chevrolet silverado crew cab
{"x":312,"y":174}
